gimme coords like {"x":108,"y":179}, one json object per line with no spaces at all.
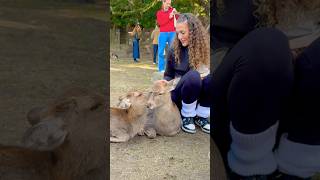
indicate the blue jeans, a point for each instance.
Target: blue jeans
{"x":164,"y":37}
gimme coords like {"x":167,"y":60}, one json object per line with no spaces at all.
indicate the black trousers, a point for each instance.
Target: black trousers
{"x":304,"y":109}
{"x":252,"y":86}
{"x":191,"y":88}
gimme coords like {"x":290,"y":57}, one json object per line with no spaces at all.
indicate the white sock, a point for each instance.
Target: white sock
{"x":251,"y":154}
{"x":189,"y":110}
{"x":297,"y":159}
{"x":203,"y":111}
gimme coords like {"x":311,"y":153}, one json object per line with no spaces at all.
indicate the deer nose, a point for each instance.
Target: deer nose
{"x":149,"y":105}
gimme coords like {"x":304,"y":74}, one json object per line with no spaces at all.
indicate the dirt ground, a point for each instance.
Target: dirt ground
{"x":46,"y":48}
{"x":184,"y":156}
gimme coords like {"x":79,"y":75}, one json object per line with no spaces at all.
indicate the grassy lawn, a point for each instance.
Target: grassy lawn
{"x":126,"y":75}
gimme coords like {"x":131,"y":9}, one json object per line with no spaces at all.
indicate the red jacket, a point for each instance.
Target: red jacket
{"x":165,"y":24}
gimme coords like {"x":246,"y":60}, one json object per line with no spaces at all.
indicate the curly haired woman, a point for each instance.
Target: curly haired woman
{"x":266,"y":87}
{"x":188,"y":63}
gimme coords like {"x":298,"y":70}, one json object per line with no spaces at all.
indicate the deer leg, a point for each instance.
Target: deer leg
{"x":121,"y":138}
{"x":150,"y":133}
{"x":141,"y":132}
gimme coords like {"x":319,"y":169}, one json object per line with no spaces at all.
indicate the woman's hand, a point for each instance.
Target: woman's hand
{"x":174,"y":12}
{"x":303,"y":41}
{"x":296,"y":52}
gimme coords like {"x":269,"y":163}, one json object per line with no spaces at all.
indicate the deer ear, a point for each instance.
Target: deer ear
{"x":124,"y":104}
{"x":88,"y":102}
{"x":136,"y":93}
{"x":35,"y":115}
{"x":45,"y":136}
{"x":64,"y":105}
{"x":171,"y":85}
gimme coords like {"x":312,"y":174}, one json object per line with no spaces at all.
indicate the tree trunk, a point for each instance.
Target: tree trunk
{"x":123,"y":36}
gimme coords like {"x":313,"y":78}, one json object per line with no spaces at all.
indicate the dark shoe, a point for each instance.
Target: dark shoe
{"x":203,"y":123}
{"x":234,"y":176}
{"x":282,"y":176}
{"x":188,"y":125}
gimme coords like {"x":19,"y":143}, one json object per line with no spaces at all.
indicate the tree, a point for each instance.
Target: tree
{"x":129,"y":12}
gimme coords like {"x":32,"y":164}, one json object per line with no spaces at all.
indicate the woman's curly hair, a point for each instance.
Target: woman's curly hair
{"x":198,"y":47}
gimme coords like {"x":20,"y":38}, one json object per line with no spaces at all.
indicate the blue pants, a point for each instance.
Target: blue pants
{"x":155,"y":51}
{"x":135,"y":49}
{"x":164,"y":37}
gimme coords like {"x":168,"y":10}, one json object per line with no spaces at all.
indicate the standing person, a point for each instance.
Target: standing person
{"x":262,"y":89}
{"x":136,"y":33}
{"x":155,"y":36}
{"x":165,"y":20}
{"x":188,"y":63}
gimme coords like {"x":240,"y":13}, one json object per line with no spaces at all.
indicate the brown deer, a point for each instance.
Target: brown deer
{"x":129,"y":117}
{"x":65,"y":142}
{"x":166,"y":119}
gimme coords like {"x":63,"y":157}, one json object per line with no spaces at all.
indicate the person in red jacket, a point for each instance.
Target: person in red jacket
{"x":165,"y":20}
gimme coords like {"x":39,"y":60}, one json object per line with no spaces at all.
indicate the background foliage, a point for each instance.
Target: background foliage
{"x":129,"y":12}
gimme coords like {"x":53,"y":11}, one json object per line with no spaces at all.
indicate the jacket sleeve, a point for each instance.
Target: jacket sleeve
{"x":170,"y":72}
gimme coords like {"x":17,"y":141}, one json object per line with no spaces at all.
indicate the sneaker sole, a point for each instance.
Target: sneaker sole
{"x":188,"y":130}
{"x":204,"y":130}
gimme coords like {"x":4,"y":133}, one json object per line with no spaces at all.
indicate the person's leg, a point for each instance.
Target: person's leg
{"x":185,"y":95}
{"x":135,"y":50}
{"x":250,"y":88}
{"x":204,"y":104}
{"x":298,"y":153}
{"x":161,"y":46}
{"x":155,"y":49}
{"x":138,"y":50}
{"x":171,"y":37}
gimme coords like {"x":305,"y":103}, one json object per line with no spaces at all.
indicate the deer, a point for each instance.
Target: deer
{"x":128,"y":118}
{"x":66,"y":141}
{"x":166,"y":120}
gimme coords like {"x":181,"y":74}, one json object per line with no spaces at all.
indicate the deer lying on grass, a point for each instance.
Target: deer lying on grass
{"x":65,"y":142}
{"x":166,"y":119}
{"x":162,"y":115}
{"x":129,"y":117}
